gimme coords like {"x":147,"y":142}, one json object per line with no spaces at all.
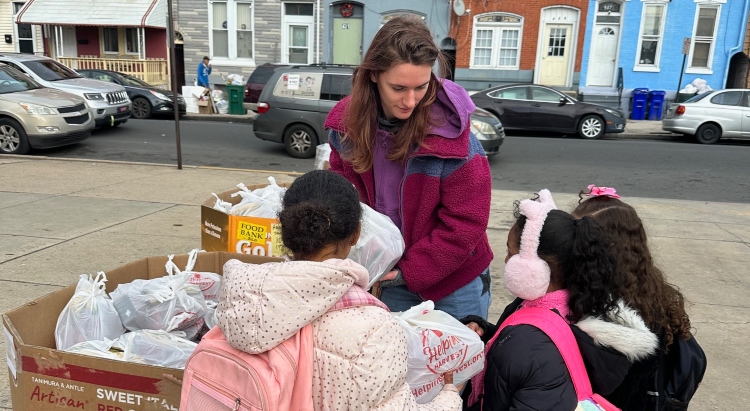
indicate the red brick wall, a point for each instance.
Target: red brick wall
{"x":531,"y":10}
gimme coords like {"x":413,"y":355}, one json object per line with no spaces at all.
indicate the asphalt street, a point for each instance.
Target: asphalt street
{"x":671,"y":169}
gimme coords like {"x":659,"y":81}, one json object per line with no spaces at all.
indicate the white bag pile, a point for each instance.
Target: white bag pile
{"x":380,"y":244}
{"x":437,"y":344}
{"x":263,"y":202}
{"x":698,"y":86}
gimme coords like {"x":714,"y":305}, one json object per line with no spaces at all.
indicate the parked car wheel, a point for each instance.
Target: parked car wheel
{"x":300,"y":141}
{"x":141,"y":108}
{"x":591,"y":127}
{"x":13,"y":139}
{"x":708,"y":134}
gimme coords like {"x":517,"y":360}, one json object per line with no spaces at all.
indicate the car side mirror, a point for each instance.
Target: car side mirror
{"x":563,"y":101}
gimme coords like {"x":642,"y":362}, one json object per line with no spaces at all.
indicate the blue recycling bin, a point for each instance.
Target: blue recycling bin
{"x":640,"y":99}
{"x":656,"y":104}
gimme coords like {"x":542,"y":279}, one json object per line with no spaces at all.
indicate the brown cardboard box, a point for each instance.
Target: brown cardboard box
{"x":238,"y":234}
{"x":45,"y":379}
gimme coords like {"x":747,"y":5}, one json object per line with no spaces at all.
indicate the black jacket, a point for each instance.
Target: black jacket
{"x":525,"y":371}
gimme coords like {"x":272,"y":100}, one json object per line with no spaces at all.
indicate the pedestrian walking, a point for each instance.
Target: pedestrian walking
{"x":204,"y":70}
{"x":644,"y":287}
{"x":403,"y":139}
{"x":360,"y":351}
{"x":560,"y":263}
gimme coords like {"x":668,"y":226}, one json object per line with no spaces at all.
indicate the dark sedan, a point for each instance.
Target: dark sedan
{"x":147,"y":99}
{"x":533,"y":107}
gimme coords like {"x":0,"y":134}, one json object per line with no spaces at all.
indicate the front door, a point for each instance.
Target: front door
{"x":70,"y":41}
{"x":347,"y":41}
{"x":603,"y":55}
{"x":556,"y":54}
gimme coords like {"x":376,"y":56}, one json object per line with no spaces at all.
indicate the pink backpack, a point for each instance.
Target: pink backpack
{"x":562,"y":336}
{"x":219,"y":377}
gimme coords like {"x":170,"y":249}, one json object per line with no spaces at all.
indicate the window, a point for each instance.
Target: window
{"x":730,"y":98}
{"x":556,"y":46}
{"x":336,"y":87}
{"x":651,"y":34}
{"x":98,"y":75}
{"x":704,"y":37}
{"x":299,"y":85}
{"x":497,"y":41}
{"x":298,"y":44}
{"x":24,"y":32}
{"x":511,"y":93}
{"x":51,"y":70}
{"x":231,"y":24}
{"x":131,"y":40}
{"x":542,"y":94}
{"x":110,"y":40}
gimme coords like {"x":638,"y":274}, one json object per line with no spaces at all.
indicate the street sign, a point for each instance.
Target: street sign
{"x":686,"y":46}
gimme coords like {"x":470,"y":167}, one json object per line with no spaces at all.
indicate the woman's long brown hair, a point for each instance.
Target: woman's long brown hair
{"x":643,"y":286}
{"x":401,"y":40}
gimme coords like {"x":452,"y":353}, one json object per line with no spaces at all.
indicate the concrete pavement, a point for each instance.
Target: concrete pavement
{"x":61,"y":218}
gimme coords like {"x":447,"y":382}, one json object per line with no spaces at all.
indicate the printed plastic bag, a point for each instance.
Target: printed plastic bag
{"x":165,"y":303}
{"x":89,"y":315}
{"x":380,"y":244}
{"x":156,"y":347}
{"x":322,"y":154}
{"x":209,"y":283}
{"x":264,"y":202}
{"x":438,"y":343}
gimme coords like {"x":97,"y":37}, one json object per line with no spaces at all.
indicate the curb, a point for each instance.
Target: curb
{"x":227,"y":118}
{"x":645,"y":136}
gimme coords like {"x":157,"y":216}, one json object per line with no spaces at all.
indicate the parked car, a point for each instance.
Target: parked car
{"x":710,"y":116}
{"x":33,"y":116}
{"x":256,"y":82}
{"x":147,"y":99}
{"x":109,"y":102}
{"x":295,"y":116}
{"x":540,"y":108}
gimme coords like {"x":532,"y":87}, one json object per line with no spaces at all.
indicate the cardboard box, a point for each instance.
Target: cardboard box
{"x":45,"y":379}
{"x":238,"y":234}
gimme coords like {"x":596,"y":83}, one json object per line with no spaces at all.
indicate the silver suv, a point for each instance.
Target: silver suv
{"x":108,"y":101}
{"x":32,"y":116}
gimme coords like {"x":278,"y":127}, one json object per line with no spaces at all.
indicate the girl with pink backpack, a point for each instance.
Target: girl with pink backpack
{"x":304,"y":334}
{"x":566,"y":338}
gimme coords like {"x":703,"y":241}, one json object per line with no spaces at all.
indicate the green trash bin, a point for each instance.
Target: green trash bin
{"x":235,"y":97}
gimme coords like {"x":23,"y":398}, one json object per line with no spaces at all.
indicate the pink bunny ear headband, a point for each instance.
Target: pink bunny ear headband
{"x":526,"y":275}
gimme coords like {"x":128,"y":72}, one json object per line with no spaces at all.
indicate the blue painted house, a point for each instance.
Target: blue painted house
{"x":645,"y":39}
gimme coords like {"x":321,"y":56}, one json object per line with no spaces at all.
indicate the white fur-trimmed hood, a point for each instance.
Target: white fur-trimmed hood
{"x":624,"y":331}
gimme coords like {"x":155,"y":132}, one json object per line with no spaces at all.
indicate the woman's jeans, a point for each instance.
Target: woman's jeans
{"x":472,"y":299}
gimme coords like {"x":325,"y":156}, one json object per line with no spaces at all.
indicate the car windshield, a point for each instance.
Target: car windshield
{"x":698,"y":97}
{"x":50,"y":70}
{"x":134,"y":81}
{"x":11,"y":81}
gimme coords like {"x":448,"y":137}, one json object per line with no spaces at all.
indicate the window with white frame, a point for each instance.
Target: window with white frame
{"x":651,"y":35}
{"x":704,"y":36}
{"x":497,"y":41}
{"x":110,"y":40}
{"x":132,"y":40}
{"x":297,"y":33}
{"x":231,"y":28}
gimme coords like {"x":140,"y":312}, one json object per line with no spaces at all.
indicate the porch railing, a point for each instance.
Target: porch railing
{"x":152,"y":71}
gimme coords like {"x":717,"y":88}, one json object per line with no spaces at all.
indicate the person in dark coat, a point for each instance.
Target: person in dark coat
{"x":524,"y":369}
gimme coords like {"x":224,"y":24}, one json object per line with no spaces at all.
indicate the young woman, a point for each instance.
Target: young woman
{"x":403,"y":139}
{"x":643,"y":287}
{"x":569,"y":270}
{"x":360,"y":351}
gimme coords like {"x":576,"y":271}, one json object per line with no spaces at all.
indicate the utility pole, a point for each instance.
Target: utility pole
{"x":173,"y":75}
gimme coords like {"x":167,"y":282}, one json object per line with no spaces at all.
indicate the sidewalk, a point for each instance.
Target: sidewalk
{"x":64,"y":218}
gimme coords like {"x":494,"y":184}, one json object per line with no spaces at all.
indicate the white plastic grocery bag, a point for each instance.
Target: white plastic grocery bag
{"x":89,"y":315}
{"x":380,"y":244}
{"x":263,"y":202}
{"x":156,"y":347}
{"x":322,"y":154}
{"x":209,"y":283}
{"x":165,"y":303}
{"x":438,"y":343}
{"x":103,"y":349}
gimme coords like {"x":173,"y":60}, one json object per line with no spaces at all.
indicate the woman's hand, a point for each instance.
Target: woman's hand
{"x":448,"y":378}
{"x":476,"y":328}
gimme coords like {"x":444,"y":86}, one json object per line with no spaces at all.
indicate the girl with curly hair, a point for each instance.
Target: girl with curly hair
{"x":643,"y":287}
{"x":562,"y":263}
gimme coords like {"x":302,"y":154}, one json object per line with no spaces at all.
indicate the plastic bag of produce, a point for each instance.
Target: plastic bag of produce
{"x":322,"y":154}
{"x":380,"y":244}
{"x":156,"y":347}
{"x":209,"y":283}
{"x":264,"y":202}
{"x":89,"y":315}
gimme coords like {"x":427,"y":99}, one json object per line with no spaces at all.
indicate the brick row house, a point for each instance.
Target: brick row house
{"x":96,"y":34}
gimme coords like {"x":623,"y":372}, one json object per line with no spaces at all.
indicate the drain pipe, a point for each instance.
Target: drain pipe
{"x":740,"y":41}
{"x":317,"y":30}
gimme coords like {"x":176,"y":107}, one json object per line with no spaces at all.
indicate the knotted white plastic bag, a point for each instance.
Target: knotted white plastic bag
{"x":89,"y":315}
{"x":156,"y":347}
{"x":437,"y":344}
{"x":322,"y":154}
{"x":103,"y":349}
{"x":380,"y":244}
{"x":165,"y":303}
{"x":209,"y":283}
{"x":263,"y":202}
